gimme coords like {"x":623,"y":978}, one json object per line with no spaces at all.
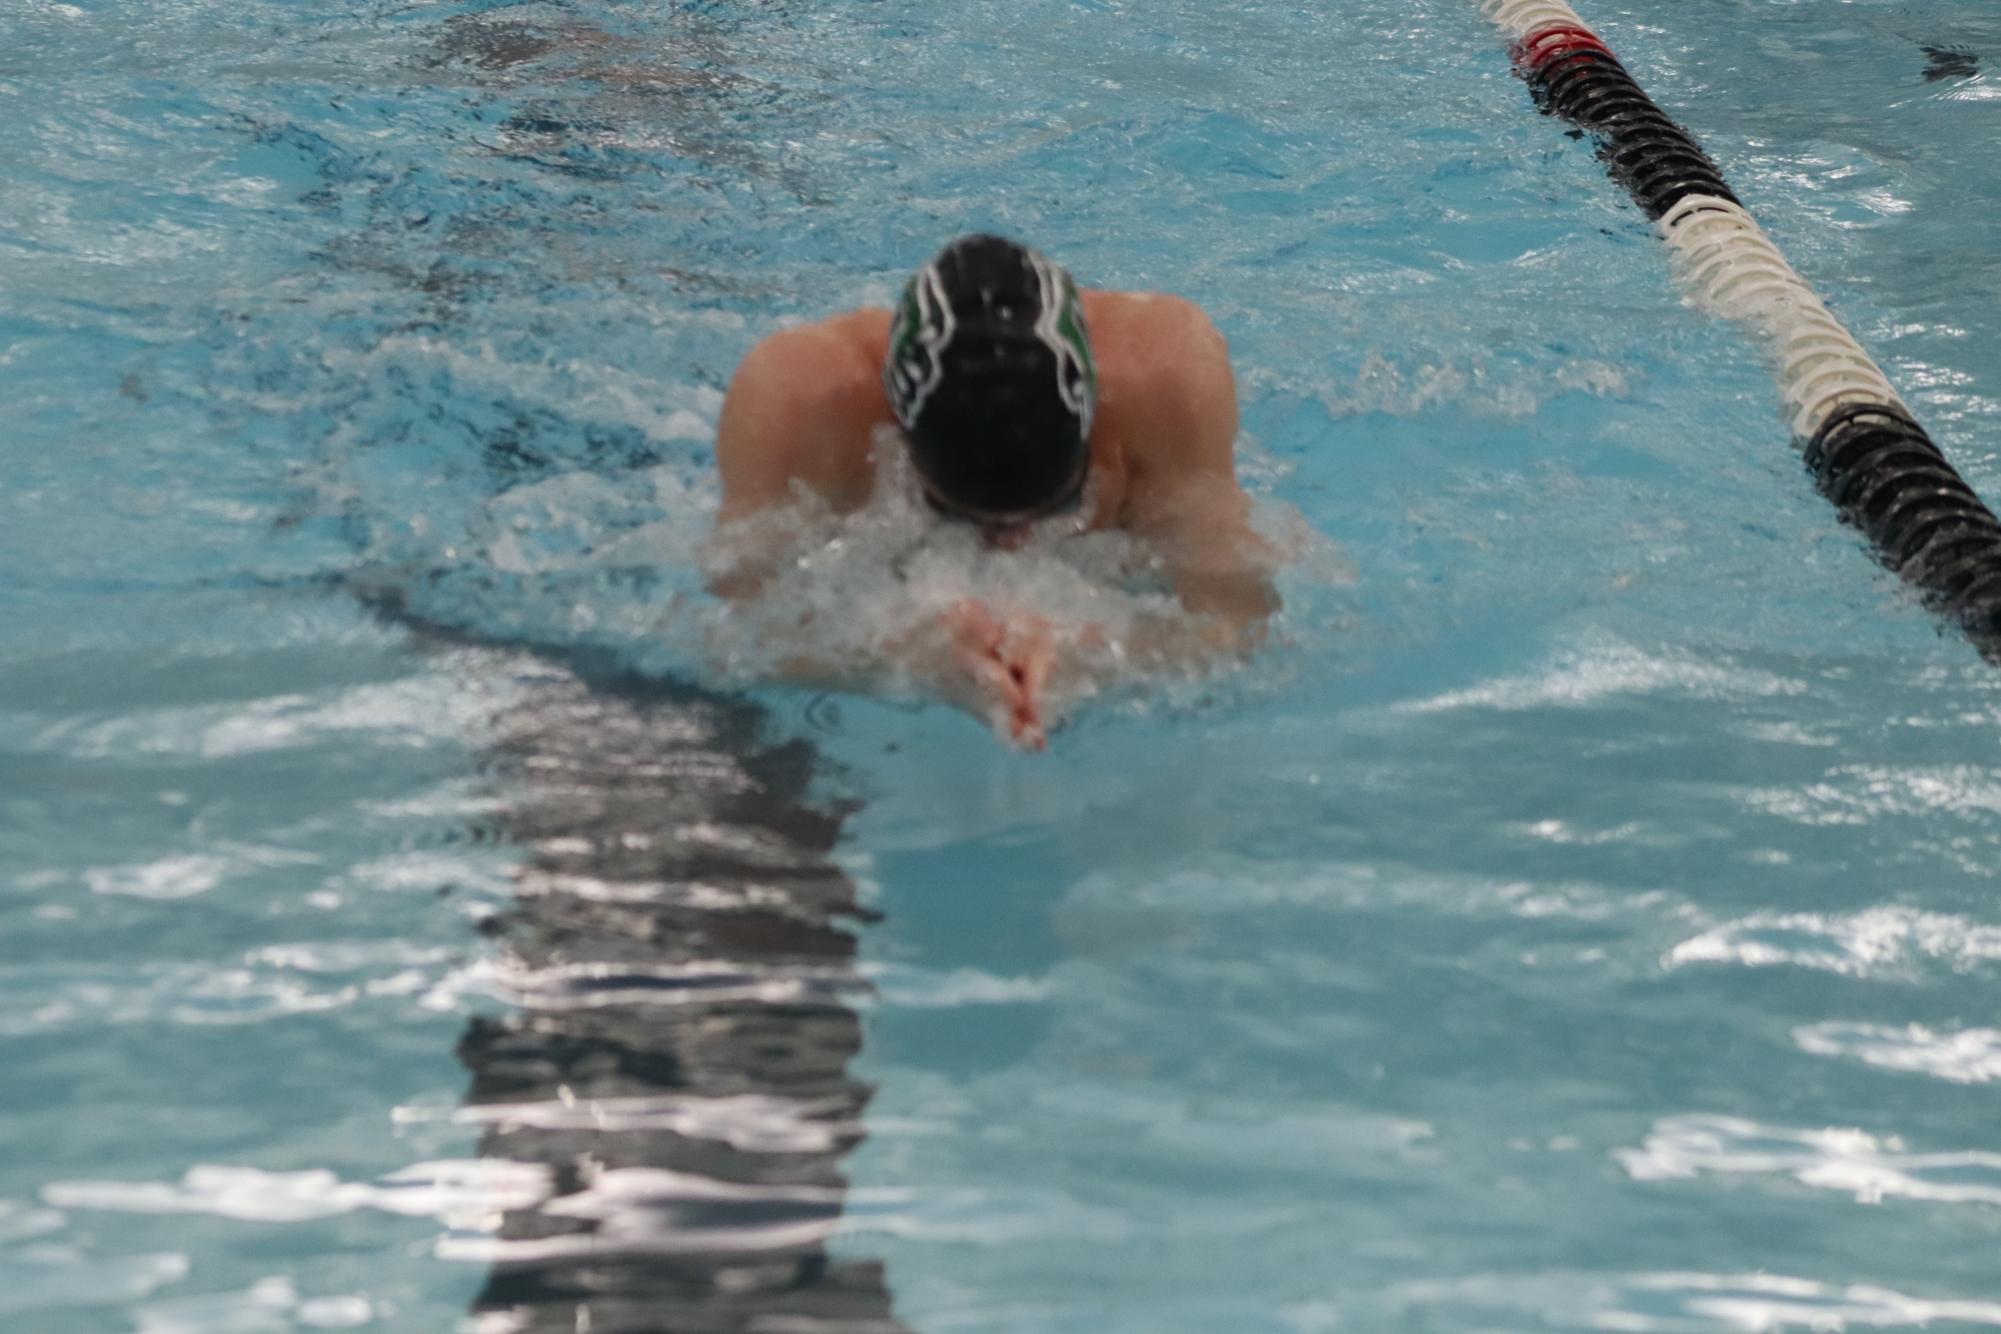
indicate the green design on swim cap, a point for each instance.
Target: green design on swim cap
{"x":925,"y":325}
{"x":1076,"y":368}
{"x":917,"y":339}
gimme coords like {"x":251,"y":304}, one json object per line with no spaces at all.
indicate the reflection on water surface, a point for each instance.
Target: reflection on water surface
{"x":680,"y":954}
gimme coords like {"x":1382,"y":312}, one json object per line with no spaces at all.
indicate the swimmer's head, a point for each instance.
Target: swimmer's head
{"x":990,"y":375}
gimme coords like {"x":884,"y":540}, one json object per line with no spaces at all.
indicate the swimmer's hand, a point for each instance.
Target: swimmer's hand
{"x":1007,"y":667}
{"x":995,"y":666}
{"x":1006,"y":660}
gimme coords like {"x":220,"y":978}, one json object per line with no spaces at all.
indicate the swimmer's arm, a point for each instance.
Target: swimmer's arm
{"x":798,"y":415}
{"x":1221,"y":571}
{"x":965,"y":655}
{"x":1186,"y":504}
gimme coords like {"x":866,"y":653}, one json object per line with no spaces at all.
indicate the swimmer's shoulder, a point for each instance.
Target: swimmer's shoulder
{"x":867,"y":329}
{"x":844,"y":345}
{"x":1166,"y":391}
{"x":1150,"y":332}
{"x":828,"y":372}
{"x":802,"y":407}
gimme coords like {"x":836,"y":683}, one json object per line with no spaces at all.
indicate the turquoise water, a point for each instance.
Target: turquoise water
{"x":1582,"y":920}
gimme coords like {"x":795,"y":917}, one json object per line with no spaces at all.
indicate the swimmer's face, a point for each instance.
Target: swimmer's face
{"x":1007,"y":537}
{"x":1070,"y":513}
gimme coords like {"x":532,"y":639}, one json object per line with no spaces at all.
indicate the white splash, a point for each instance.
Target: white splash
{"x":836,"y":589}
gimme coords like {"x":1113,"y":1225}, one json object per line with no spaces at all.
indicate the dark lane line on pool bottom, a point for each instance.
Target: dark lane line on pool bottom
{"x":679,"y":951}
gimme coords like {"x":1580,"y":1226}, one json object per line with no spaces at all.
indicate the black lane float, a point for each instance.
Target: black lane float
{"x":1865,"y":450}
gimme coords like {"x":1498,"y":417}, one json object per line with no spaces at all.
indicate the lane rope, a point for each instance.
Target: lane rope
{"x":1866,"y":451}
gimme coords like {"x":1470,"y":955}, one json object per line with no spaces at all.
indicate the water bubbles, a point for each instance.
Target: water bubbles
{"x":631,"y":561}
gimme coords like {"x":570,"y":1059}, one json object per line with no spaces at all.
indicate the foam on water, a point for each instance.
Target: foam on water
{"x":621,"y":562}
{"x":842,"y":587}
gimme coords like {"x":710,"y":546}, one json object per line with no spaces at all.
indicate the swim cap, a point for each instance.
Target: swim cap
{"x":990,"y":375}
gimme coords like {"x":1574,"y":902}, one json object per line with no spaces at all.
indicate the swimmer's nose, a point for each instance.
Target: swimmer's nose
{"x":1008,"y":537}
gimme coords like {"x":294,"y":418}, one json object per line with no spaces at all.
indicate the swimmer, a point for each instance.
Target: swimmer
{"x":1025,"y":405}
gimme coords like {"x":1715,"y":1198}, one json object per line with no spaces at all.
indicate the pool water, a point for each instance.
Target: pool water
{"x":1581,"y":918}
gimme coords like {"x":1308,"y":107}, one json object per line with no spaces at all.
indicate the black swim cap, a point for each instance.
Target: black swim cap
{"x":990,"y":375}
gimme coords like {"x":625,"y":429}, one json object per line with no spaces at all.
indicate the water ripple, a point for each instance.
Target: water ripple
{"x":1862,"y":794}
{"x":1889,"y":941}
{"x":270,"y":1306}
{"x":657,"y":1211}
{"x":698,"y":983}
{"x":924,"y":989}
{"x":39,"y":1277}
{"x":413,"y":712}
{"x":275,"y":982}
{"x":461,"y":1193}
{"x":1969,"y":1056}
{"x":1603,"y":667}
{"x":188,"y":874}
{"x":747,"y":1122}
{"x":1666,"y":1303}
{"x":1854,"y":1162}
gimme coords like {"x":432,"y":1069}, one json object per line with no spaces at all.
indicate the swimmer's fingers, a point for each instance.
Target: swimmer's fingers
{"x":1029,"y":651}
{"x":1007,"y":663}
{"x":1030,"y":662}
{"x":1025,"y":725}
{"x":1012,"y":712}
{"x":999,"y":668}
{"x":981,"y":682}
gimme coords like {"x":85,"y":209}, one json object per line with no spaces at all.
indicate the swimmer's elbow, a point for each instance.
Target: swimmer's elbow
{"x":1253,"y":625}
{"x":1240,"y":607}
{"x":735,"y":585}
{"x":734,"y":561}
